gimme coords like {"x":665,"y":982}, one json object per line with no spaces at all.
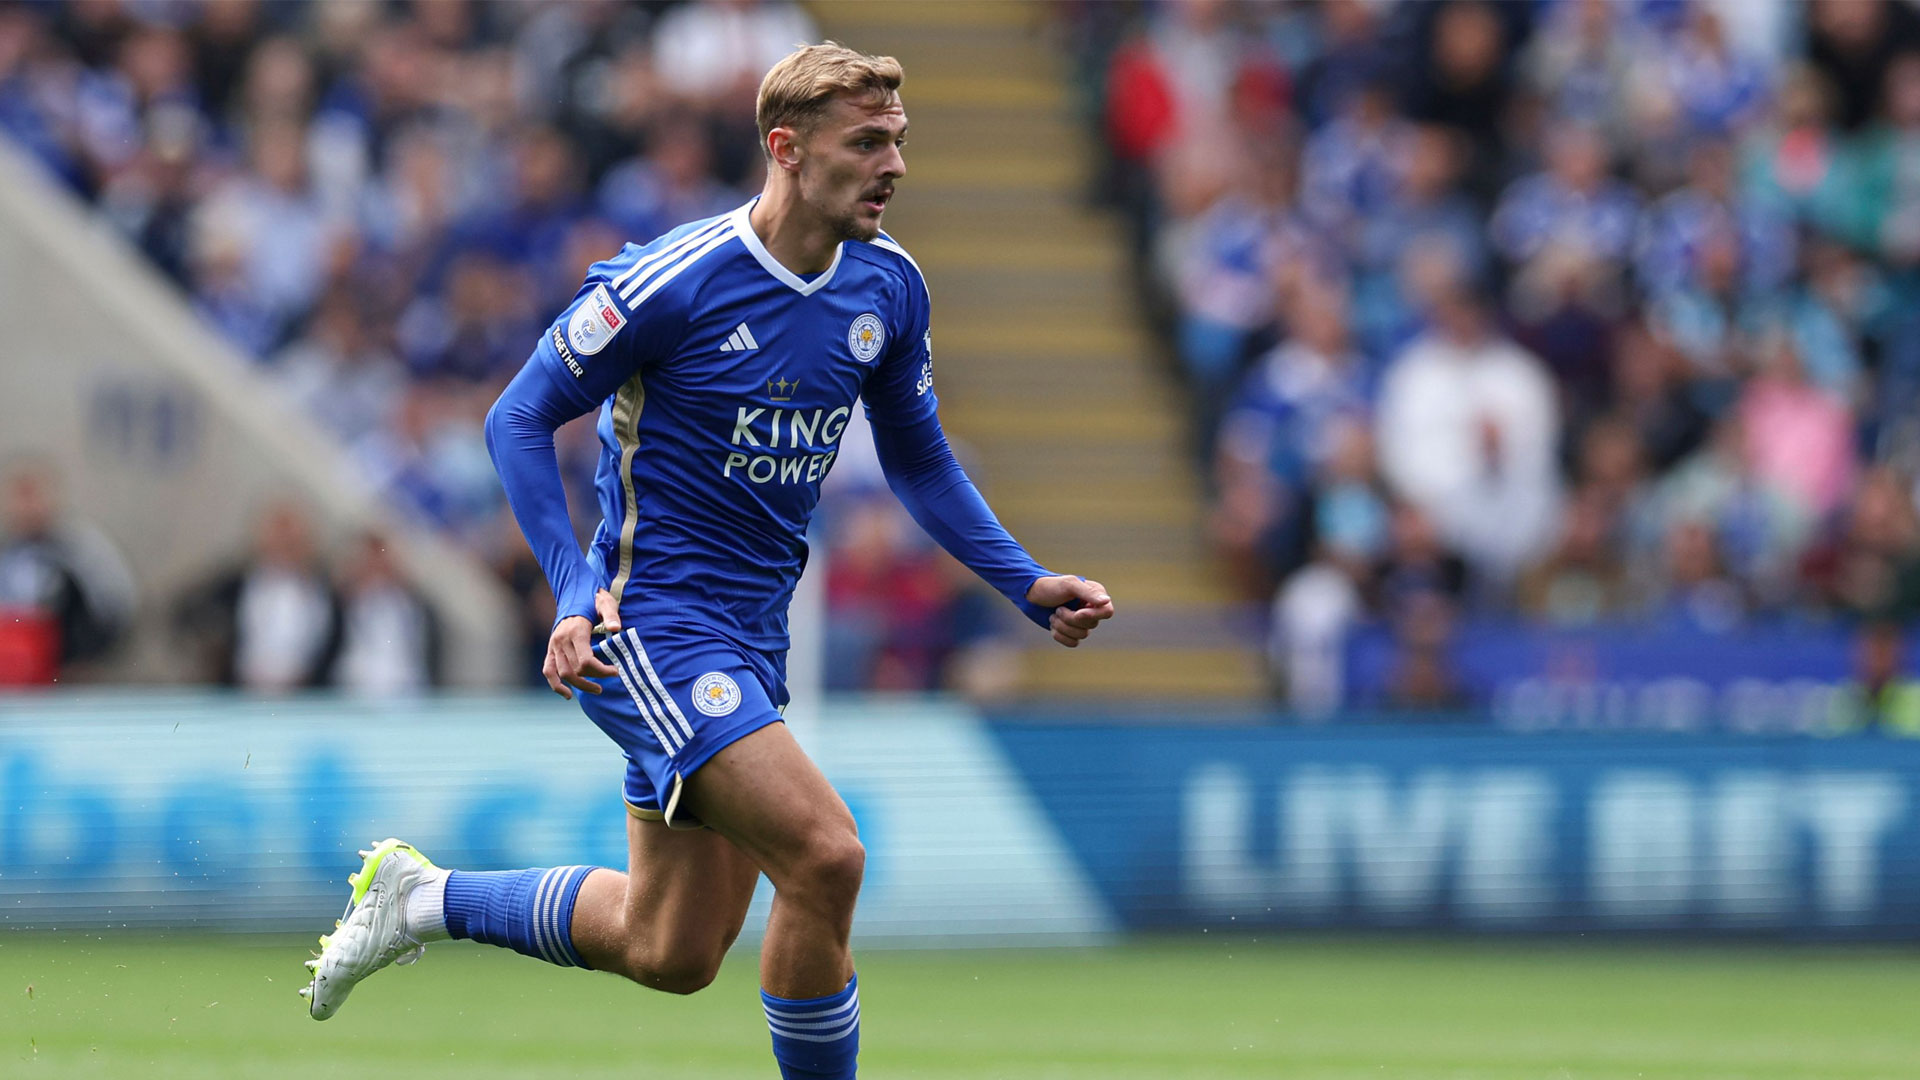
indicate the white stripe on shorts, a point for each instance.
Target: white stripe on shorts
{"x":633,"y":635}
{"x":629,"y":678}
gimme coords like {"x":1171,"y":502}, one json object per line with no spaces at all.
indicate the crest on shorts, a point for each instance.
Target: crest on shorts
{"x":866,"y":337}
{"x":594,"y":322}
{"x":716,"y":694}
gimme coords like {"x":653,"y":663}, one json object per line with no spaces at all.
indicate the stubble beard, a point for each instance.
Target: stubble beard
{"x":846,"y":224}
{"x":851,"y":226}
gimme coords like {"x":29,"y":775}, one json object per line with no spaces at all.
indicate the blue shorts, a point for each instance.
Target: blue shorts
{"x":684,"y":693}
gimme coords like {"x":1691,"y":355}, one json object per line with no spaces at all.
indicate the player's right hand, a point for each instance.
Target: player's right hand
{"x":570,"y":661}
{"x":1078,"y":606}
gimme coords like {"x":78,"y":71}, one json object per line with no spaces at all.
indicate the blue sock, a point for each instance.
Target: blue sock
{"x":528,"y":911}
{"x":816,"y":1038}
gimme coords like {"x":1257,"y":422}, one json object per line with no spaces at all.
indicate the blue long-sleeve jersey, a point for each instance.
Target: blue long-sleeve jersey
{"x":724,"y":382}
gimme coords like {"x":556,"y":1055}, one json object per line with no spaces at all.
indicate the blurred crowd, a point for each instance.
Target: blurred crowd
{"x":1574,"y":312}
{"x":283,"y":616}
{"x":383,"y":203}
{"x":1577,"y":312}
{"x":66,"y":594}
{"x":280,"y":616}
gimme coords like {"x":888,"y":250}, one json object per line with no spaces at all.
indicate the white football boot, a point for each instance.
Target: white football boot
{"x":372,"y":933}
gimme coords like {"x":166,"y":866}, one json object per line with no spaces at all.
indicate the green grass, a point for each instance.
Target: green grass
{"x":1379,"y":1009}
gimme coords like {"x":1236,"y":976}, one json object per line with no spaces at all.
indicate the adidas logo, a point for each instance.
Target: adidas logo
{"x":740,"y":340}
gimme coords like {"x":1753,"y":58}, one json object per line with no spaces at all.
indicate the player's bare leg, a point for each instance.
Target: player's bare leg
{"x":668,"y":922}
{"x":766,"y":796}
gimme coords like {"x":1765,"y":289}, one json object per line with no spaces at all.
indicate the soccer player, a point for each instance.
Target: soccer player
{"x":725,"y":359}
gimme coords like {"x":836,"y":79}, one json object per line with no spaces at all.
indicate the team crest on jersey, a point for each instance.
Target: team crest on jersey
{"x":866,"y":337}
{"x":594,"y":322}
{"x":716,"y":694}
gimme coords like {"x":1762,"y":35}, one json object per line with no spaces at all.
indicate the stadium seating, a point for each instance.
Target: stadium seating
{"x":1044,"y":369}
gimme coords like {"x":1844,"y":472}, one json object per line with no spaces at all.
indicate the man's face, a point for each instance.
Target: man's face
{"x":850,"y":160}
{"x":29,"y":509}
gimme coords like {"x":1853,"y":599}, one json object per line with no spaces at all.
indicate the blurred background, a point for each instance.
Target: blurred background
{"x":1498,"y":423}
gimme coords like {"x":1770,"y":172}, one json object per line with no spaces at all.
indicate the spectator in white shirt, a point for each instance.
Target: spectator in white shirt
{"x":272,"y":623}
{"x":389,"y":637}
{"x":1468,"y":429}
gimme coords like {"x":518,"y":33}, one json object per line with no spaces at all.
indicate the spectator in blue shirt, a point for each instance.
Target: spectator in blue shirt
{"x":1574,"y":203}
{"x":1718,"y":90}
{"x":1284,"y":426}
{"x":1353,"y":167}
{"x":1676,"y":226}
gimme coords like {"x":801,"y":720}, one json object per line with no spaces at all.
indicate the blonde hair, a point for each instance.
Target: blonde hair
{"x":797,"y":90}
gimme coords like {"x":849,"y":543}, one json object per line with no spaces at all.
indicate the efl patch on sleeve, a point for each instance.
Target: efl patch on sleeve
{"x":594,"y":322}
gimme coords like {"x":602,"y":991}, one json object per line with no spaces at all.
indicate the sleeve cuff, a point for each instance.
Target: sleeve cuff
{"x":1039,"y":616}
{"x":584,"y":609}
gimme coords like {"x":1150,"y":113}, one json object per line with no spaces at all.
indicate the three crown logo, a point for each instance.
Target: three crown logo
{"x":781,"y":389}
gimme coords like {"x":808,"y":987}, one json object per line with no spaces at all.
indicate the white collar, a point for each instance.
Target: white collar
{"x":743,"y":225}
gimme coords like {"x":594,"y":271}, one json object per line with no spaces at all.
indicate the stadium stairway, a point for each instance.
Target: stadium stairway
{"x":1047,"y":377}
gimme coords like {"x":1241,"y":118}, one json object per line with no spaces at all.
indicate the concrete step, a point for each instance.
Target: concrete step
{"x":1051,"y":334}
{"x":1012,"y":367}
{"x":985,"y":252}
{"x":934,"y":130}
{"x":1053,"y":539}
{"x":1187,"y":599}
{"x":974,"y":209}
{"x":919,"y":228}
{"x":1136,"y":595}
{"x":997,"y":153}
{"x":1106,"y":422}
{"x":1044,"y":424}
{"x":934,"y":56}
{"x":1091,"y":460}
{"x":935,"y":228}
{"x":993,"y":88}
{"x":968,"y":390}
{"x":1104,"y":461}
{"x":951,"y":167}
{"x":1065,"y":297}
{"x":1020,"y":369}
{"x":1051,"y":387}
{"x":1190,"y":622}
{"x":979,"y":376}
{"x":1037,"y":296}
{"x":1219,"y":674}
{"x":1095,"y":507}
{"x":972,"y":384}
{"x":1179,"y":599}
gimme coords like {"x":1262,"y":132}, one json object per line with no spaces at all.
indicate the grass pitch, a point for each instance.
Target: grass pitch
{"x":1380,"y":1009}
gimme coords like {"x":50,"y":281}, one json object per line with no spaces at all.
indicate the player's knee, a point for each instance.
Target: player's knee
{"x":679,"y":970}
{"x":688,"y":979}
{"x":833,"y":867}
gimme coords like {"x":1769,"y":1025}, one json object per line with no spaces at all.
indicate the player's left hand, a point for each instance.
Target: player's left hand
{"x":1071,"y":626}
{"x":571,"y":664}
